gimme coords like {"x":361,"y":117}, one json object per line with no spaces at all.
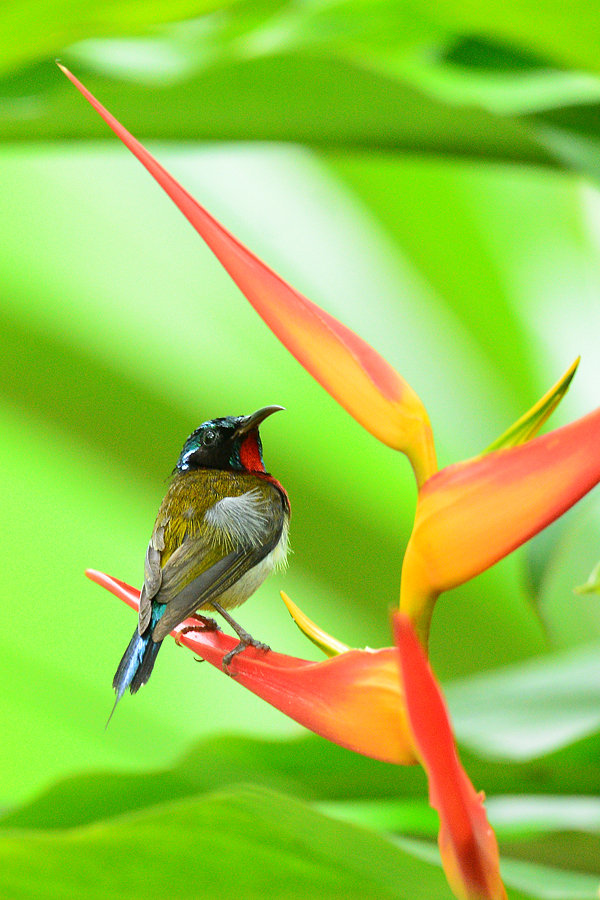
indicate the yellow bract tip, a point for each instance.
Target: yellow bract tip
{"x":530,"y":422}
{"x":325,"y":642}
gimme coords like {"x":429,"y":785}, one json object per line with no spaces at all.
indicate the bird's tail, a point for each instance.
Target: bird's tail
{"x":137,"y":662}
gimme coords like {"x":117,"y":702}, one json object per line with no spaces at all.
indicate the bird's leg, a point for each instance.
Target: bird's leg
{"x":246,"y":640}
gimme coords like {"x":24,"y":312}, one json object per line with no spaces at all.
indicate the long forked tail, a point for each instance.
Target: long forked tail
{"x":136,"y":664}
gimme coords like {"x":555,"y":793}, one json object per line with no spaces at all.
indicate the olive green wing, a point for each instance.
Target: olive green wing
{"x":238,"y":533}
{"x":152,"y":577}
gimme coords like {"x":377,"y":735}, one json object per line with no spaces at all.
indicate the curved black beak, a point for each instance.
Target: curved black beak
{"x":248,"y":423}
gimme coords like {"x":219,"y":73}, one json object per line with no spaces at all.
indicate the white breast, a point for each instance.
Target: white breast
{"x":244,"y":519}
{"x":239,"y":520}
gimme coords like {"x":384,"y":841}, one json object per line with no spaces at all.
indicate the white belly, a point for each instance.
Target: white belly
{"x":239,"y":592}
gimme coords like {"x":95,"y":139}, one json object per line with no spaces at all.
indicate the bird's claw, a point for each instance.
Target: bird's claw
{"x":250,"y":642}
{"x":204,"y":625}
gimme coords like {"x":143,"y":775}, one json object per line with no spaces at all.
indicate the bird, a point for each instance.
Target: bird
{"x":220,"y":530}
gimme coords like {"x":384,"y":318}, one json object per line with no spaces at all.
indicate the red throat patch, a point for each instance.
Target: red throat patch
{"x":250,"y":454}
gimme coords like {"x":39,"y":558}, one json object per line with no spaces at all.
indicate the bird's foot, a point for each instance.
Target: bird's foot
{"x":205,"y":625}
{"x":246,"y":641}
{"x":204,"y":621}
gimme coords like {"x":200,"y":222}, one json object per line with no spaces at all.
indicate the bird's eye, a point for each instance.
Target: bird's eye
{"x":209,"y":436}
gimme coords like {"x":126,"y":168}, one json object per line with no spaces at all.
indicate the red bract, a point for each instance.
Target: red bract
{"x":367,"y":386}
{"x":467,"y":842}
{"x":474,"y":513}
{"x":353,"y":699}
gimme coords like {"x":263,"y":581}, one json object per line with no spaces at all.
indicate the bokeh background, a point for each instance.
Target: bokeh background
{"x":428,"y":174}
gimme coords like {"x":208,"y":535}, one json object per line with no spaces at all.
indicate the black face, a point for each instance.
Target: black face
{"x":214,"y":445}
{"x":229,"y":443}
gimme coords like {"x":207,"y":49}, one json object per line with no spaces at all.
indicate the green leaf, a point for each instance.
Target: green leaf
{"x":523,"y":712}
{"x":562,"y":831}
{"x":572,"y":771}
{"x":26,"y":34}
{"x":327,"y":773}
{"x":499,"y":76}
{"x":525,"y":814}
{"x":563,"y":34}
{"x":530,"y":422}
{"x":549,"y":882}
{"x":557,"y":560}
{"x":249,"y":841}
{"x":592,"y":585}
{"x":281,"y":97}
{"x":540,"y":882}
{"x":413,"y":817}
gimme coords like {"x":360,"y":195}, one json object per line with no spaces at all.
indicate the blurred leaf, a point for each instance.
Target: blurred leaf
{"x":327,"y":772}
{"x":293,"y":851}
{"x":279,"y":97}
{"x":524,"y":814}
{"x":535,"y":881}
{"x":570,"y":617}
{"x":563,"y":34}
{"x":556,"y":830}
{"x":561,"y":831}
{"x":513,"y":816}
{"x":530,"y":422}
{"x":549,"y":882}
{"x":340,"y":782}
{"x":573,"y":770}
{"x":567,"y":851}
{"x":500,"y":77}
{"x":413,"y":817}
{"x":41,"y":28}
{"x":592,"y":585}
{"x":403,"y":77}
{"x":526,"y":711}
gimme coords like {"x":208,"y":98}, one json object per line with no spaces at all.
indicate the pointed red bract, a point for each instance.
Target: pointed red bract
{"x":467,"y":842}
{"x":472,"y":514}
{"x":353,"y":699}
{"x":367,"y":386}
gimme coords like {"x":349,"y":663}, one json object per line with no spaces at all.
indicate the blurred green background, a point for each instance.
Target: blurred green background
{"x":427,"y":174}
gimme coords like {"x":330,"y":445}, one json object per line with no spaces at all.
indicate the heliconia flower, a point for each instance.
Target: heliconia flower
{"x":471,"y":514}
{"x":367,"y":386}
{"x":467,"y":843}
{"x":353,"y":699}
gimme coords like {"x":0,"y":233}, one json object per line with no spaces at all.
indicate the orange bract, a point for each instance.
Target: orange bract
{"x":353,"y":699}
{"x":474,"y":513}
{"x":467,"y":843}
{"x":361,"y":380}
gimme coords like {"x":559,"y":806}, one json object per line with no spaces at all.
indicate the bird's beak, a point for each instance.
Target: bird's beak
{"x":248,"y":423}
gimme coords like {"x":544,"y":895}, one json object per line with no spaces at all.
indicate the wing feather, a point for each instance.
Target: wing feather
{"x":210,"y":560}
{"x":152,"y":577}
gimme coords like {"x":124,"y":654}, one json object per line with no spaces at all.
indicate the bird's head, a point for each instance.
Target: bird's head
{"x":231,"y":443}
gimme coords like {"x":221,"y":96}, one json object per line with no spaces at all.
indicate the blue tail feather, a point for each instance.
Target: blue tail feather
{"x":137,"y":662}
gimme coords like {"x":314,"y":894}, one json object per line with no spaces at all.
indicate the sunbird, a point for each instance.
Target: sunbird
{"x":221,"y":529}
